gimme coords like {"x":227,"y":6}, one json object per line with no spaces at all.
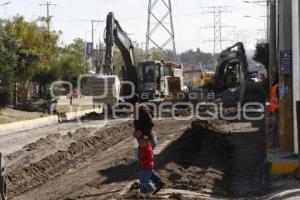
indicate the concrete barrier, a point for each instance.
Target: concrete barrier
{"x":27,"y":124}
{"x":43,"y":121}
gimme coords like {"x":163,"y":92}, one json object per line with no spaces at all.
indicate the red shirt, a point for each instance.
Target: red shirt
{"x":146,"y":157}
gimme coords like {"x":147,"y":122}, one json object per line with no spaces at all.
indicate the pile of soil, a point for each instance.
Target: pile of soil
{"x":210,"y":159}
{"x":93,"y":116}
{"x":25,"y":176}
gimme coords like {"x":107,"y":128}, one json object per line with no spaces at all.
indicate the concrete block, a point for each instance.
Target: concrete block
{"x":27,"y":124}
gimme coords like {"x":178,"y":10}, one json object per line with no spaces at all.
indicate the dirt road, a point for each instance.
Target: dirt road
{"x":13,"y":142}
{"x":80,"y":163}
{"x":198,"y":160}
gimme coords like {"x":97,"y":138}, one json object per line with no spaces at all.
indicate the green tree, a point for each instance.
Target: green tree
{"x":156,"y":54}
{"x":38,"y":47}
{"x":71,"y":62}
{"x":261,"y":54}
{"x":8,"y":61}
{"x":36,"y":54}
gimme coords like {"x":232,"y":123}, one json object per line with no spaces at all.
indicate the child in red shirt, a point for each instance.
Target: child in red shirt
{"x":147,"y":173}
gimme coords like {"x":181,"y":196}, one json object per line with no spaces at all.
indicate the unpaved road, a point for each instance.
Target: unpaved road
{"x":198,"y":160}
{"x":10,"y":143}
{"x":81,"y":163}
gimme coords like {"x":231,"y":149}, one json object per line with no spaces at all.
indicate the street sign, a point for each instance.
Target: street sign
{"x":286,"y":62}
{"x":89,"y":49}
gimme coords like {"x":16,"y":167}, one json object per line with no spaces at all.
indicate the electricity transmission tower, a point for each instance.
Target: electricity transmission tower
{"x":48,"y":4}
{"x":165,"y":22}
{"x":217,"y":26}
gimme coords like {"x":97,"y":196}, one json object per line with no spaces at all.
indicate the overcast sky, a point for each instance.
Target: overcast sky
{"x":72,"y":17}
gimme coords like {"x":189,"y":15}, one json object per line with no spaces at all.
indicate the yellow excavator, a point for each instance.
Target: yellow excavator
{"x":152,"y":80}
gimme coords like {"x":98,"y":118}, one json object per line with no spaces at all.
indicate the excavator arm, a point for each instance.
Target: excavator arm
{"x":115,"y":35}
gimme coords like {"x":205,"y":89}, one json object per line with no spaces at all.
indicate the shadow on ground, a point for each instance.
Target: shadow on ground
{"x":207,"y":161}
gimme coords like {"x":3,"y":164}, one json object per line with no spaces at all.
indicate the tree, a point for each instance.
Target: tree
{"x":156,"y":54}
{"x":36,"y":54}
{"x":71,"y":62}
{"x":38,"y":47}
{"x":261,"y":54}
{"x":195,"y":57}
{"x":8,"y":61}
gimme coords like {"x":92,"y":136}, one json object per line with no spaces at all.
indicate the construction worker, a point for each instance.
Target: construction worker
{"x":273,"y":108}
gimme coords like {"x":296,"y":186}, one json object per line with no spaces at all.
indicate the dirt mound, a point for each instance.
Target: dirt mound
{"x":196,"y":162}
{"x":137,"y":195}
{"x":213,"y":159}
{"x":23,"y":178}
{"x":93,"y":116}
{"x":44,"y":147}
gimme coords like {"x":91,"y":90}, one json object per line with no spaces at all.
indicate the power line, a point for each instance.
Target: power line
{"x":217,"y":27}
{"x":48,"y":4}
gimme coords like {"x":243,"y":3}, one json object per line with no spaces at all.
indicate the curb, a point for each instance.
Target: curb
{"x":27,"y":124}
{"x":43,"y":121}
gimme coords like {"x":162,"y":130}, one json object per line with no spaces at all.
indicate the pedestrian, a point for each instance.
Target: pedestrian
{"x":143,"y":120}
{"x":146,"y":158}
{"x":143,"y":124}
{"x":273,"y":108}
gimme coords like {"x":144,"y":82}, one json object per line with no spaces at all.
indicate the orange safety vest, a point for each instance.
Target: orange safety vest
{"x":274,"y":101}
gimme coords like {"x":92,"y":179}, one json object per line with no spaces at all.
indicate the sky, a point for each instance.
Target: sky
{"x":242,"y":21}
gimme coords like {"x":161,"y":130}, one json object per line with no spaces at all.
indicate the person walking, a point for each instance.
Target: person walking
{"x":143,"y":124}
{"x":146,"y":158}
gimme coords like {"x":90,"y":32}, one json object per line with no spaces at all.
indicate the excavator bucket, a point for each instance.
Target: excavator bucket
{"x":105,"y":89}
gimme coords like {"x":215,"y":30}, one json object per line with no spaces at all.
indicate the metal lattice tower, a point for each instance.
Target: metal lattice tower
{"x":218,"y":27}
{"x":156,"y":21}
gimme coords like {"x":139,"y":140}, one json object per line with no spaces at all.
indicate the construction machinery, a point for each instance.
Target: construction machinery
{"x":233,"y":82}
{"x":151,"y":80}
{"x":231,"y":72}
{"x":160,"y":81}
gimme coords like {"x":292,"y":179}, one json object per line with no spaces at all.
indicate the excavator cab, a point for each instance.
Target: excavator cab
{"x":150,"y":80}
{"x":160,"y":81}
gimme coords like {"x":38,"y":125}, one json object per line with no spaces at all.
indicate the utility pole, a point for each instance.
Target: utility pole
{"x":94,"y":57}
{"x":286,"y":139}
{"x":153,"y":12}
{"x":94,"y":21}
{"x":272,"y":35}
{"x":296,"y":70}
{"x":217,"y":27}
{"x":48,"y":4}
